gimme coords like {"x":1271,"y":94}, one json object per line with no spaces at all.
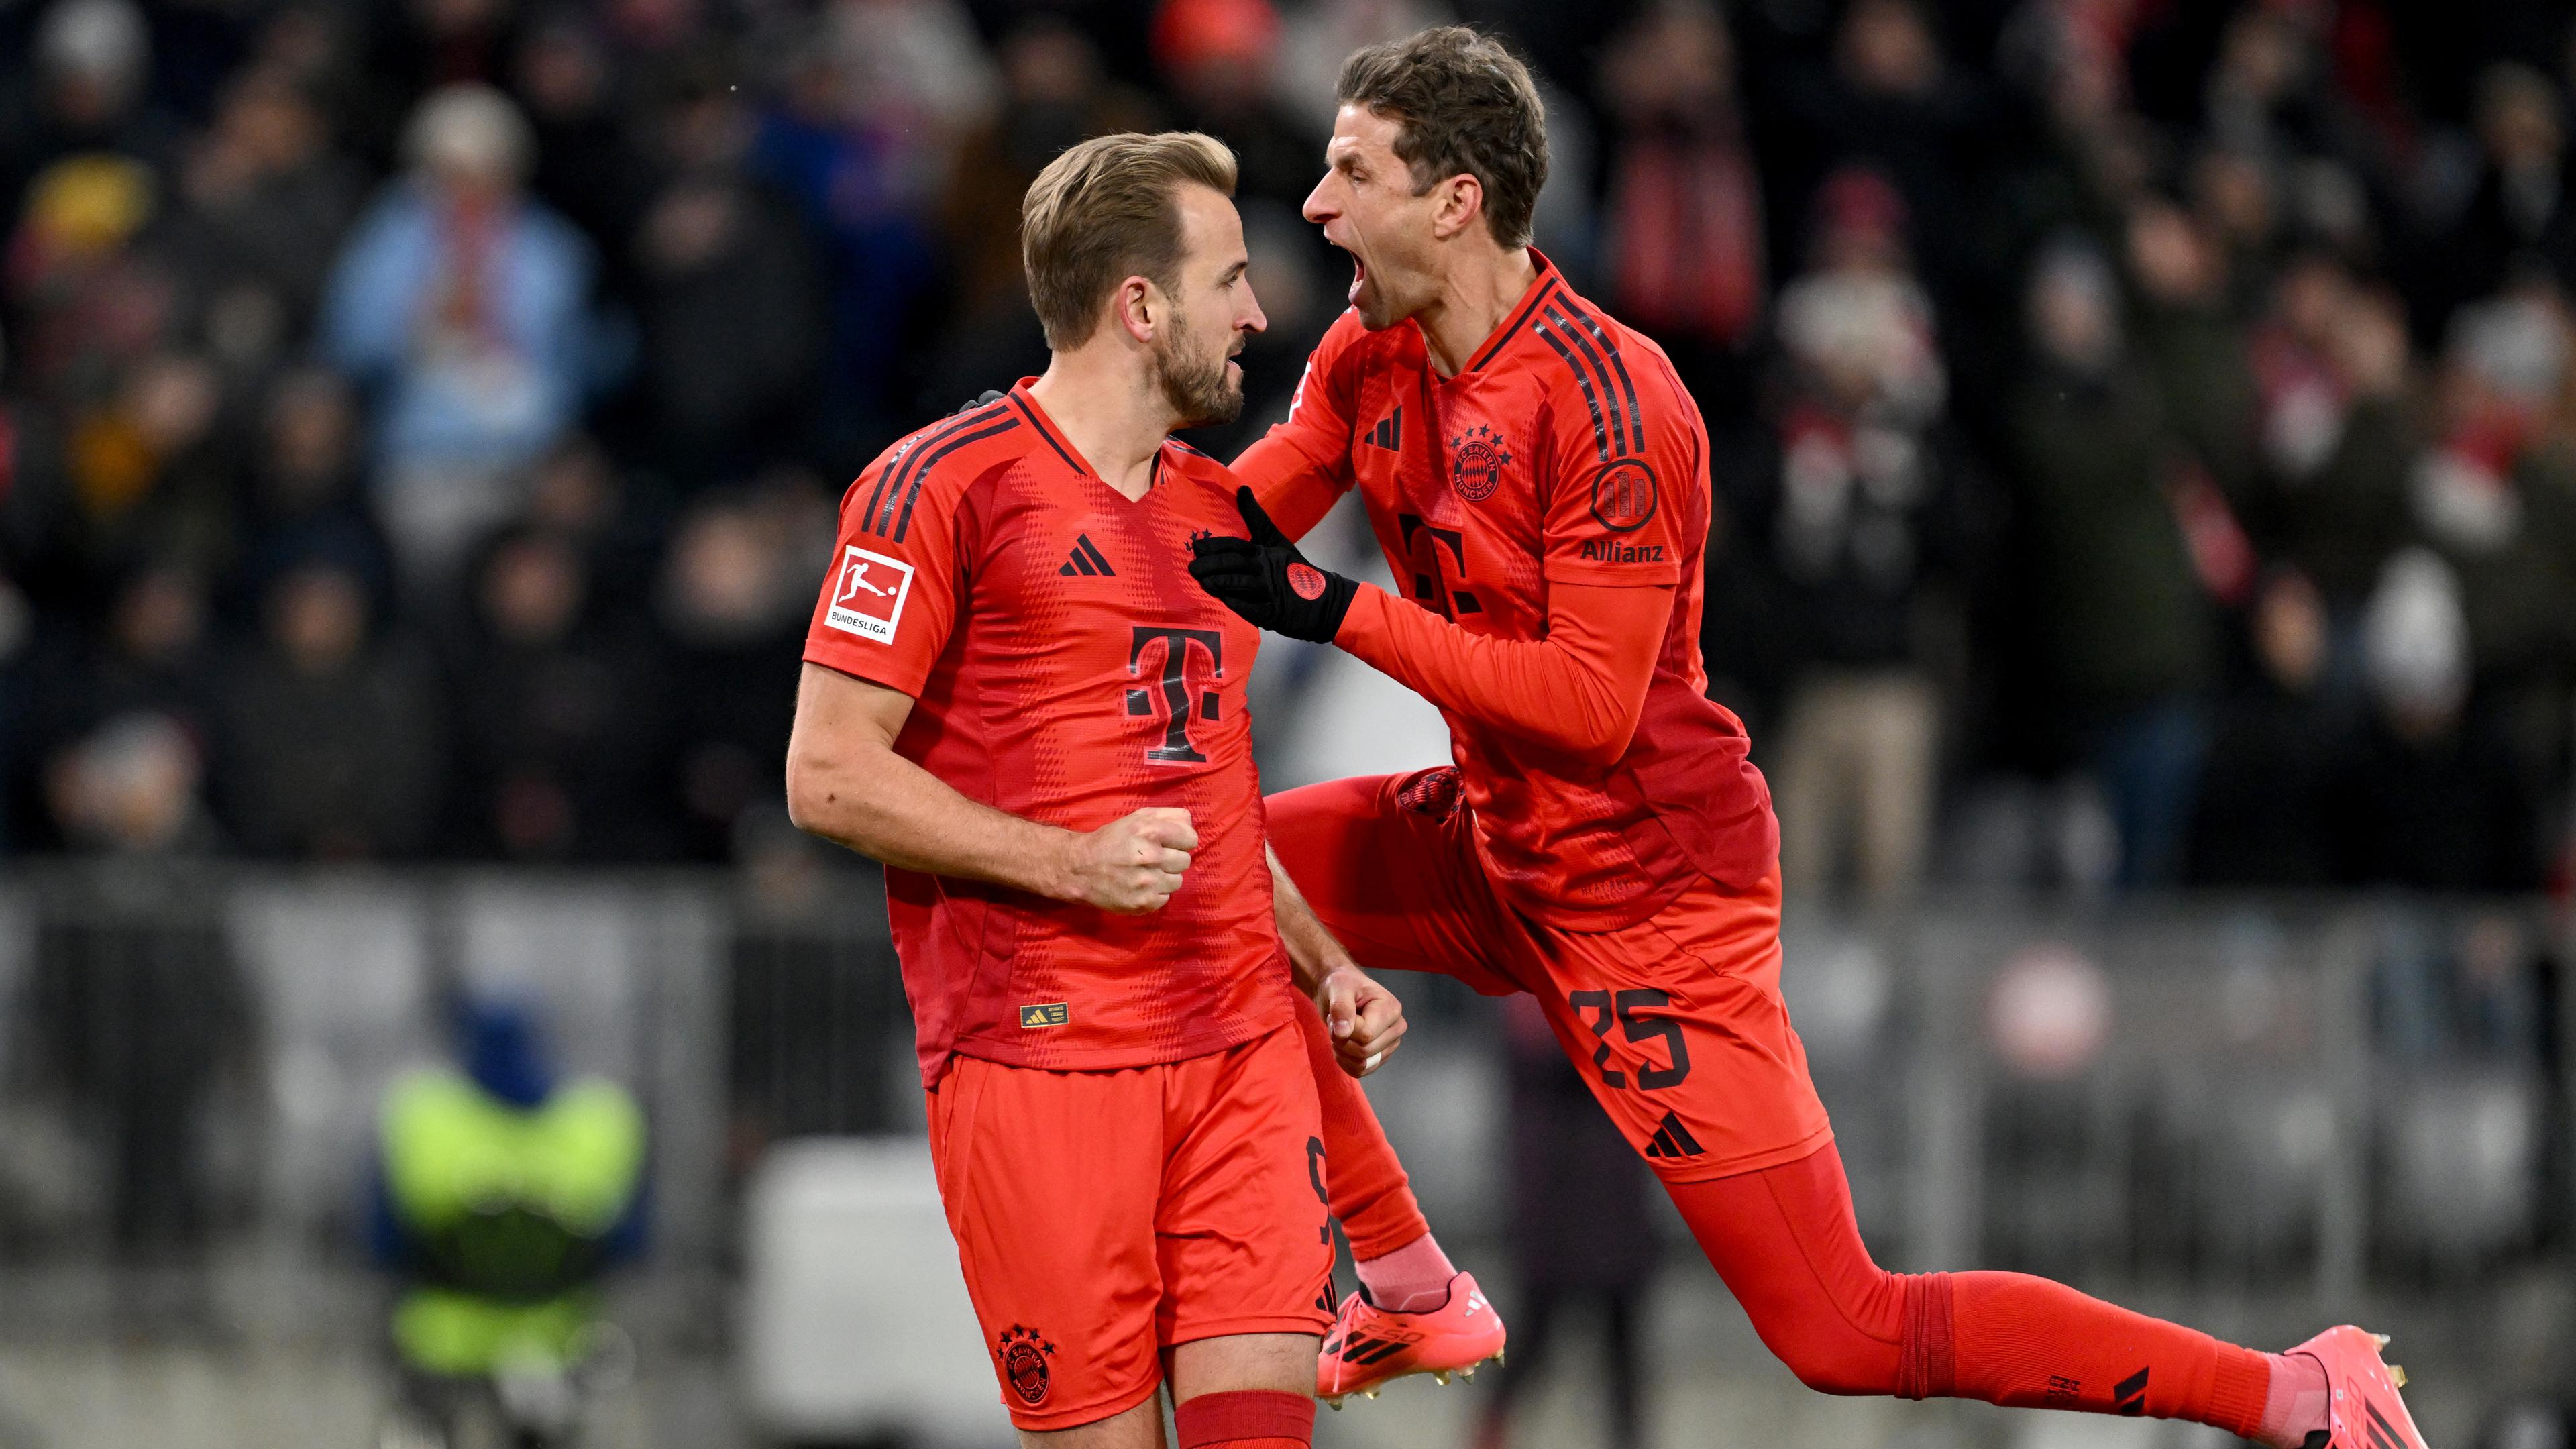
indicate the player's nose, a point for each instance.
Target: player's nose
{"x":1319,"y":208}
{"x":1251,"y":318}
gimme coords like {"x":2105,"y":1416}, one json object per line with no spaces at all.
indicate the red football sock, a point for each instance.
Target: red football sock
{"x":1246,"y":1419}
{"x":1784,"y":1240}
{"x":2295,"y":1405}
{"x":1370,"y":1193}
{"x":1412,"y":1279}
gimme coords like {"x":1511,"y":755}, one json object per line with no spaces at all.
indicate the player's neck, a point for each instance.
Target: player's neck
{"x":1482,"y":288}
{"x":1110,"y":411}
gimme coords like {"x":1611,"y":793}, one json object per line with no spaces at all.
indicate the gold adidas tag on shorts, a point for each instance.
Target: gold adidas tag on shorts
{"x":1044,"y":1014}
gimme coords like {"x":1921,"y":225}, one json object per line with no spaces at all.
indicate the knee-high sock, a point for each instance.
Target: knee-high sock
{"x":1370,"y":1193}
{"x":1246,"y":1419}
{"x":1785,"y":1242}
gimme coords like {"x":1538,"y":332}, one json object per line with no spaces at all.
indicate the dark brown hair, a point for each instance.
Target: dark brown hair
{"x":1465,"y":104}
{"x":1107,"y":210}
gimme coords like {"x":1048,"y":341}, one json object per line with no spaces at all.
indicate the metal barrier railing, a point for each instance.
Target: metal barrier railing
{"x":2305,"y":1095}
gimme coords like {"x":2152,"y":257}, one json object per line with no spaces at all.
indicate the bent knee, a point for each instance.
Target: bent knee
{"x":1833,"y":1371}
{"x":1830,"y":1353}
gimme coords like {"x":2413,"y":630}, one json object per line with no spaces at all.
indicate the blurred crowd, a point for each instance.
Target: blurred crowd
{"x":2145,"y":432}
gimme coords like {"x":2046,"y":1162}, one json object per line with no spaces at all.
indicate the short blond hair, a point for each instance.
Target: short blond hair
{"x":1106,"y":210}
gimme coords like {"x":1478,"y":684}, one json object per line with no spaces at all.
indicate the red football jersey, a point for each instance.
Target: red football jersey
{"x":1066,"y":670}
{"x":1566,"y":451}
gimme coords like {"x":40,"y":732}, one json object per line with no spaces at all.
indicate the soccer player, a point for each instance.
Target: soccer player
{"x":1017,"y":699}
{"x":1538,"y":480}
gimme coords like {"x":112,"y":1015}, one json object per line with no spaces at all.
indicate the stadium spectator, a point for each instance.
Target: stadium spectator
{"x":588,"y":167}
{"x":303,"y":498}
{"x":1684,"y":215}
{"x":265,"y":192}
{"x":501,"y":1196}
{"x":731,"y":298}
{"x":2126,"y":625}
{"x":1858,"y":527}
{"x":330,"y":740}
{"x":867,"y":193}
{"x":1891,"y":100}
{"x":733,"y":605}
{"x":88,"y":94}
{"x":1219,"y":59}
{"x":561,"y":715}
{"x":2432,"y":799}
{"x":2340,"y":425}
{"x":133,"y":787}
{"x":2192,"y":345}
{"x":461,"y":305}
{"x":1054,"y":94}
{"x":2520,"y":221}
{"x":2267,"y":807}
{"x":156,"y":656}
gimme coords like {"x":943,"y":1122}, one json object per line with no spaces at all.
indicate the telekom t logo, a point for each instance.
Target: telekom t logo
{"x":1182,"y":648}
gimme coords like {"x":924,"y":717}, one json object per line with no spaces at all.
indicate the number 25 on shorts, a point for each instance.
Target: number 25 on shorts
{"x":1637,"y":1028}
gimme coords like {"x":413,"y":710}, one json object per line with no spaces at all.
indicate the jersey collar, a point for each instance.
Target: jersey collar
{"x":1546,"y":284}
{"x":1019,"y":398}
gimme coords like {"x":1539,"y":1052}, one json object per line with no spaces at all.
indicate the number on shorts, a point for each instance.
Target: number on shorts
{"x":1637,"y":1029}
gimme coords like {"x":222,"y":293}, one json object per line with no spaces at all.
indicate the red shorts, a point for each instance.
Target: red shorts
{"x":1104,"y":1216}
{"x":1676,"y":1020}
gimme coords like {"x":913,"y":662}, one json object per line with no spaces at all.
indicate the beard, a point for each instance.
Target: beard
{"x":1196,"y":385}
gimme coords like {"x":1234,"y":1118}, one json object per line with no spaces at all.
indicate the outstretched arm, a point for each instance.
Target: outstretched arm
{"x":1579,"y":690}
{"x":1302,"y":466}
{"x":1294,"y":489}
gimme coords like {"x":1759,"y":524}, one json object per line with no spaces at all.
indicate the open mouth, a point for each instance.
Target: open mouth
{"x":1359,"y":276}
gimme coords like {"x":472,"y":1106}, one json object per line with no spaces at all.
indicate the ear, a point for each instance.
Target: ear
{"x":1457,"y":204}
{"x":1138,"y":306}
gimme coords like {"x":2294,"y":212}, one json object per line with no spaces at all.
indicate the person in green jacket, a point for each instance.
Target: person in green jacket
{"x":501,"y":1198}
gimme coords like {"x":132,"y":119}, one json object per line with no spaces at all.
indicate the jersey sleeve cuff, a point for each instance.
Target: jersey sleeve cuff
{"x":1364,"y":623}
{"x":858,"y":664}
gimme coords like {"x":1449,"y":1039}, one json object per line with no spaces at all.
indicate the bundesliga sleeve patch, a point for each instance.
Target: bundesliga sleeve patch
{"x":867,"y":597}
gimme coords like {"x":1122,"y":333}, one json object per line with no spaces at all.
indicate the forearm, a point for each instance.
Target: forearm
{"x":1312,"y":951}
{"x":1294,"y":489}
{"x":1580,"y":690}
{"x":884,"y":806}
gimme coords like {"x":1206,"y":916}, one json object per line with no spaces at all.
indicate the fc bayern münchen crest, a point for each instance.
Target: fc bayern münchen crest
{"x":1024,"y":1359}
{"x":1476,"y":463}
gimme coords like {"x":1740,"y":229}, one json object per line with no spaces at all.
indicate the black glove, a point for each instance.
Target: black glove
{"x":990,"y":395}
{"x":1266,"y":580}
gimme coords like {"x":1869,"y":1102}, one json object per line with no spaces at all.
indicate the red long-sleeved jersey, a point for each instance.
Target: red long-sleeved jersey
{"x":1545,"y":512}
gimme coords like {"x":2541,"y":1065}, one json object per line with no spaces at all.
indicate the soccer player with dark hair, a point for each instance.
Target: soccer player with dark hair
{"x":1016,"y":698}
{"x":1538,"y":480}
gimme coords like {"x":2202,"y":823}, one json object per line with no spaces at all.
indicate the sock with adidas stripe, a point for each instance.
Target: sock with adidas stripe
{"x":1412,"y":1279}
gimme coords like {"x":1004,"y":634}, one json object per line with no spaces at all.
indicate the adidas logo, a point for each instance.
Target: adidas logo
{"x":1672,"y":1139}
{"x":1389,"y":432}
{"x":2131,"y":1393}
{"x":1363,"y":1349}
{"x":1086,"y":559}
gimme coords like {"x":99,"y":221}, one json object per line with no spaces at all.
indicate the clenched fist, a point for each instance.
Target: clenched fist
{"x":1364,"y":1019}
{"x":1132,"y":864}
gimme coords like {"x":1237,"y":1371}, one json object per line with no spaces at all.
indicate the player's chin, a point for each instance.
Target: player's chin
{"x":1371,"y":304}
{"x":1221,"y":406}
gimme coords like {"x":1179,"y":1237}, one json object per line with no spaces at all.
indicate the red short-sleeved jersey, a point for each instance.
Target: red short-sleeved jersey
{"x":1566,"y":451}
{"x":1066,"y":670}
